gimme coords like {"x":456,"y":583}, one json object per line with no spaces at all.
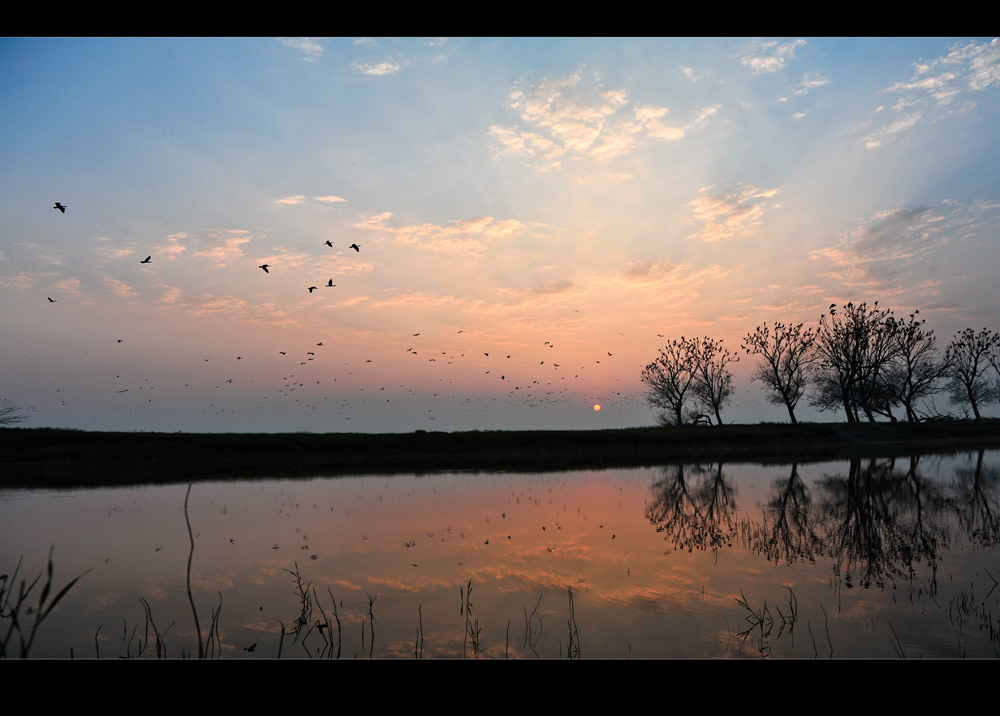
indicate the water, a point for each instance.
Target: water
{"x":872,"y":558}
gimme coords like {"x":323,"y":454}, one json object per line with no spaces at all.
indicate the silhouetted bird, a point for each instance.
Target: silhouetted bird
{"x":146,"y":260}
{"x":330,"y":283}
{"x":52,"y":300}
{"x":264,"y":266}
{"x":312,"y":288}
{"x":355,"y":247}
{"x":60,"y":207}
{"x":328,"y":244}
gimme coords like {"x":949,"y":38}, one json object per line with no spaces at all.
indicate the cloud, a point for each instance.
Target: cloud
{"x":883,"y":249}
{"x":69,"y":285}
{"x":385,"y":67}
{"x":469,"y":237}
{"x":172,"y":248}
{"x":309,"y":46}
{"x":809,"y":81}
{"x":770,"y":56}
{"x":108,"y":250}
{"x":934,"y":88}
{"x":225,"y":245}
{"x":875,"y":139}
{"x":291,"y":200}
{"x":330,"y":199}
{"x":416,"y":298}
{"x":730,"y":213}
{"x":120,"y":288}
{"x":577,"y":117}
{"x":169,"y":295}
{"x":209,"y":304}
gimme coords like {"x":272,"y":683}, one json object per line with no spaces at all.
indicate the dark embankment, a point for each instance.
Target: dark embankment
{"x":51,"y":457}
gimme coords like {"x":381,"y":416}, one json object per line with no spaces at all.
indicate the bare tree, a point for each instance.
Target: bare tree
{"x":12,"y":415}
{"x":854,"y":348}
{"x":968,"y":357}
{"x":671,"y":379}
{"x":916,"y":368}
{"x":713,"y":380}
{"x":787,"y":357}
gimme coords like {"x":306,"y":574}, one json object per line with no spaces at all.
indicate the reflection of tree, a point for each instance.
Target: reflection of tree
{"x":880,"y":523}
{"x":786,"y":532}
{"x":976,"y":500}
{"x":696,"y":511}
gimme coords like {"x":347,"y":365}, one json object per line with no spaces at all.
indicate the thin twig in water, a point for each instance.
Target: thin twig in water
{"x":197,"y":626}
{"x":371,"y":617}
{"x":573,"y":646}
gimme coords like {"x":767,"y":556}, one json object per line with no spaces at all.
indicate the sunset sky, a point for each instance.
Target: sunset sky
{"x":534,"y":219}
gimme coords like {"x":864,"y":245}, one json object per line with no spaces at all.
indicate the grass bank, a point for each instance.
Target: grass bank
{"x":33,"y":457}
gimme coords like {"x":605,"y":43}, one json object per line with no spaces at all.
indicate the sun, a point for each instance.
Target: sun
{"x":597,"y":406}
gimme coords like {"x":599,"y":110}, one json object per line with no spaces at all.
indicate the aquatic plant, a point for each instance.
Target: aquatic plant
{"x":18,"y":637}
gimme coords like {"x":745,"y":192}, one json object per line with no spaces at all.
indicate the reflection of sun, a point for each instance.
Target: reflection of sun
{"x":597,"y":407}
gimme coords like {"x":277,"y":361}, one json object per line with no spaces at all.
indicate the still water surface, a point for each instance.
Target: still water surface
{"x":869,"y":558}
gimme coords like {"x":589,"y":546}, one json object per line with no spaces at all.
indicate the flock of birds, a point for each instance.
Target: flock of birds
{"x":533,"y":390}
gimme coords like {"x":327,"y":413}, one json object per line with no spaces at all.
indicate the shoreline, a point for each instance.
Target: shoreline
{"x":47,"y":457}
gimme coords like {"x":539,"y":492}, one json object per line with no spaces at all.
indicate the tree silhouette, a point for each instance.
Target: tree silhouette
{"x":968,"y":358}
{"x":713,"y":380}
{"x":854,"y":348}
{"x":12,"y":415}
{"x":671,"y":379}
{"x":690,"y":367}
{"x":787,"y":357}
{"x":915,"y":370}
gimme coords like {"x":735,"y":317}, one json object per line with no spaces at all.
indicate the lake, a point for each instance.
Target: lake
{"x":853,"y":558}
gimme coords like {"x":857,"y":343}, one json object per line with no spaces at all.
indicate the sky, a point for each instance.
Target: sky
{"x":534,"y":218}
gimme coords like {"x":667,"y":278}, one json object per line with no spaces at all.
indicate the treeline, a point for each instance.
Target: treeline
{"x":860,"y":359}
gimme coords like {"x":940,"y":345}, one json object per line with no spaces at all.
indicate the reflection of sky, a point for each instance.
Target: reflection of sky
{"x":564,"y":202}
{"x":412,"y":542}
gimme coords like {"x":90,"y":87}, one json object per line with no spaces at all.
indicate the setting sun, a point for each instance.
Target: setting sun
{"x":597,"y":407}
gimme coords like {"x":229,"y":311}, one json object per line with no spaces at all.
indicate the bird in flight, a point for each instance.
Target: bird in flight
{"x":146,"y":260}
{"x":329,"y":243}
{"x":60,"y":207}
{"x":312,"y":288}
{"x":330,"y":284}
{"x":52,"y":300}
{"x":264,"y":266}
{"x":355,"y":247}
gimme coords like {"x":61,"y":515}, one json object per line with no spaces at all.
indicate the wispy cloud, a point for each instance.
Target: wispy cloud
{"x":770,"y":56}
{"x":387,"y":66}
{"x":111,"y":250}
{"x":736,"y":211}
{"x":461,"y":236}
{"x":120,"y":288}
{"x":224,"y":246}
{"x":310,"y":47}
{"x":883,"y":248}
{"x":810,"y":81}
{"x":577,"y":117}
{"x":291,"y":200}
{"x":330,"y":199}
{"x":935,"y":88}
